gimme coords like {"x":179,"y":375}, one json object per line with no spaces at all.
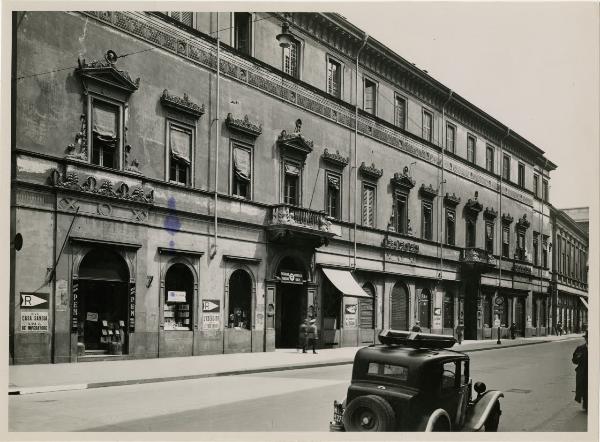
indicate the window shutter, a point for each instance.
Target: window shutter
{"x":241,"y":163}
{"x":180,"y":143}
{"x":399,"y":313}
{"x":368,"y":206}
{"x":104,"y":121}
{"x":187,"y":18}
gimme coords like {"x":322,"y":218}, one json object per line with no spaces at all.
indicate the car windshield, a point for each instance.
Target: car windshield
{"x":397,"y":372}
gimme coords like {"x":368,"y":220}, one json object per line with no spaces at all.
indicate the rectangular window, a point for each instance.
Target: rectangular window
{"x":545,"y":195}
{"x":242,"y":31}
{"x":427,"y":125}
{"x":397,"y":372}
{"x":489,"y":237}
{"x":291,"y":59}
{"x":520,"y":246}
{"x":536,"y":185}
{"x":536,"y":245}
{"x":333,"y":185}
{"x":450,"y":227}
{"x":450,"y":137}
{"x":505,"y":241}
{"x":401,"y":215}
{"x":506,"y":168}
{"x":545,"y":251}
{"x":563,"y":268}
{"x":334,"y":77}
{"x":521,"y":176}
{"x":180,"y":146}
{"x":400,"y":112}
{"x":427,"y":220}
{"x":489,"y":159}
{"x":187,"y":18}
{"x":291,"y":184}
{"x":369,"y":205}
{"x":106,"y":136}
{"x":471,"y":232}
{"x":471,"y":143}
{"x":242,"y":171}
{"x":369,"y":96}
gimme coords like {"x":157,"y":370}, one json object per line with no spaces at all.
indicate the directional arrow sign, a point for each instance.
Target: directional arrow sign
{"x":212,"y":305}
{"x":37,"y":300}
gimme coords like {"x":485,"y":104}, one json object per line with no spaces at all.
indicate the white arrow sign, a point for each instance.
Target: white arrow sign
{"x":30,"y":300}
{"x":209,"y":306}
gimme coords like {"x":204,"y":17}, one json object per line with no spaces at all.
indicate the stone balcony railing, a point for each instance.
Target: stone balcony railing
{"x":297,"y":222}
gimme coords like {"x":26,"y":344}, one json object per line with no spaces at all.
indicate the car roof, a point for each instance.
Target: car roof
{"x":407,"y":356}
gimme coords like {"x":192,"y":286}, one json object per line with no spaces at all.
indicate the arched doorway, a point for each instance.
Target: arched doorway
{"x":290,"y":305}
{"x":425,"y":308}
{"x":240,"y":300}
{"x":103,"y":279}
{"x":179,"y":297}
{"x":399,"y":311}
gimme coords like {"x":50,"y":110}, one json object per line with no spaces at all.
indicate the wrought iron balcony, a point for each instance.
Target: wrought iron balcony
{"x":475,"y":257}
{"x":291,"y":223}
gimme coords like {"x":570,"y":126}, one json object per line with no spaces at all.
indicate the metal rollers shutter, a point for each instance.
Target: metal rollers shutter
{"x":399,"y":314}
{"x":366,"y":308}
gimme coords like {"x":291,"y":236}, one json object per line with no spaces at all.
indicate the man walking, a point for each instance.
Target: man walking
{"x":580,"y":357}
{"x":312,"y":335}
{"x":460,"y":328}
{"x":416,"y":327}
{"x":302,"y":336}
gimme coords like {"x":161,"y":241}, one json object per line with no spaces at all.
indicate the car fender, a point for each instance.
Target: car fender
{"x":478,"y":413}
{"x":428,"y":421}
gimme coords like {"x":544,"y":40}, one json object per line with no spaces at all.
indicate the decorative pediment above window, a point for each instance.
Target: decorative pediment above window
{"x":490,"y":213}
{"x":451,"y":200}
{"x":523,"y":223}
{"x":403,"y":180}
{"x":243,"y":125}
{"x":507,"y":218}
{"x":428,"y":191}
{"x":104,"y":73}
{"x":336,"y":159}
{"x":182,"y":105}
{"x":473,"y":207}
{"x":370,"y":171}
{"x":295,"y":142}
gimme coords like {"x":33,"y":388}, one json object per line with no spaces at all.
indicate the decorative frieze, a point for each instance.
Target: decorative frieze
{"x":182,"y":104}
{"x":371,"y":171}
{"x":336,"y":159}
{"x":399,"y":245}
{"x":243,"y":125}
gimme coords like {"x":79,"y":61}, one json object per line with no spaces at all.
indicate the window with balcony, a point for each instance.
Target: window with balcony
{"x":291,"y":183}
{"x":489,"y":158}
{"x":369,"y":96}
{"x":334,"y":77}
{"x":471,"y":143}
{"x":521,"y":176}
{"x":106,"y":133}
{"x":427,"y":125}
{"x":369,"y":204}
{"x":471,"y":232}
{"x":506,"y":168}
{"x":400,"y":112}
{"x":333,"y":193}
{"x":180,"y":142}
{"x":450,"y":226}
{"x":505,"y":241}
{"x":489,"y":237}
{"x":291,"y":59}
{"x":401,"y":212}
{"x":242,"y":32}
{"x":241,"y":185}
{"x":427,"y":220}
{"x":451,"y":137}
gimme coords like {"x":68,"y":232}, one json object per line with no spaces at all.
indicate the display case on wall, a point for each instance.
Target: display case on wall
{"x":177,"y":316}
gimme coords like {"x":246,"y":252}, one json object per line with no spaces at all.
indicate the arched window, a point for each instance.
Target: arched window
{"x":366,"y":307}
{"x":425,"y":308}
{"x":179,"y":295}
{"x":399,"y":313}
{"x":240,"y":300}
{"x":448,"y":310}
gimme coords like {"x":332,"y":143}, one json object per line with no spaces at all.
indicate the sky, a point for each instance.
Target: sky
{"x":532,"y":66}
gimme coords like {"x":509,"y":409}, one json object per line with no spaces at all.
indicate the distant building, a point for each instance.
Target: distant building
{"x":581,"y":215}
{"x":424,"y":208}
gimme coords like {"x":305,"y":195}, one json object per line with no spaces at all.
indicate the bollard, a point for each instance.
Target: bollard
{"x":498,"y":341}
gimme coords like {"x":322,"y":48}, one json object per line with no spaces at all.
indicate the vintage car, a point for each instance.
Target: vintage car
{"x":413,"y":382}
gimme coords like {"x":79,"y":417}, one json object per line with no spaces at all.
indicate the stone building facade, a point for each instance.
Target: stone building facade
{"x":177,"y":198}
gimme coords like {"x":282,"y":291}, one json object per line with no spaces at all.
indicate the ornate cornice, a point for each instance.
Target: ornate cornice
{"x":473,"y":206}
{"x":295,"y":142}
{"x":428,"y":191}
{"x":507,"y":218}
{"x":335,"y":158}
{"x":523,"y":223}
{"x":371,"y":171}
{"x":181,"y":104}
{"x":490,"y":213}
{"x":403,"y":180}
{"x":451,"y":200}
{"x":243,"y":125}
{"x":105,"y":72}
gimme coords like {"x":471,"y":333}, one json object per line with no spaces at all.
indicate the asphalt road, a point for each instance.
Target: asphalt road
{"x":538,"y":382}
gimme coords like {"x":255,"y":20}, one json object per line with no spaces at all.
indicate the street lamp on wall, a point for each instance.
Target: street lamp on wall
{"x":285,"y":38}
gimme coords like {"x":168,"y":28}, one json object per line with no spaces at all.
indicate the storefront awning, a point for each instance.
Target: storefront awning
{"x":345,"y":283}
{"x":584,"y":302}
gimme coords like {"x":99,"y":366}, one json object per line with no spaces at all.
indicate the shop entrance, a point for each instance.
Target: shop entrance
{"x":103,"y":301}
{"x":290,"y":303}
{"x":520,"y":315}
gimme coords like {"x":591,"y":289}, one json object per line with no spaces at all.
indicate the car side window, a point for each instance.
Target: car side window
{"x":449,"y":373}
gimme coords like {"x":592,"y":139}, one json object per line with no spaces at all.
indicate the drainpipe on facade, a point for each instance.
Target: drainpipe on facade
{"x":218,"y":121}
{"x":500,"y":214}
{"x":541,"y":243}
{"x":365,"y":38}
{"x":442,"y":181}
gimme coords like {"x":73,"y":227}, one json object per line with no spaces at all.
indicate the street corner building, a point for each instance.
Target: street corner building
{"x":178,"y":194}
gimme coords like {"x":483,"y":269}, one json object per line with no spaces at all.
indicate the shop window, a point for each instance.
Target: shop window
{"x":536,"y":259}
{"x":425,"y":308}
{"x":450,"y":137}
{"x":187,"y":18}
{"x":242,"y":31}
{"x":501,"y":309}
{"x":489,"y":158}
{"x":180,"y":142}
{"x":471,"y":232}
{"x":427,"y":125}
{"x":427,"y":220}
{"x":521,"y":175}
{"x":334,"y":77}
{"x":505,"y":241}
{"x":400,"y":112}
{"x":489,"y":237}
{"x":179,"y":294}
{"x":450,"y":227}
{"x":471,"y":142}
{"x":333,"y":193}
{"x":369,"y":96}
{"x":369,"y":205}
{"x":506,"y":168}
{"x":448,"y":310}
{"x":106,"y":133}
{"x":401,"y":212}
{"x":242,"y":171}
{"x":366,"y":308}
{"x":291,"y":183}
{"x":291,"y":59}
{"x":240,"y":300}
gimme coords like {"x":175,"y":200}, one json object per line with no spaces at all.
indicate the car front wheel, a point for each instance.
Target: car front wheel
{"x":492,"y":421}
{"x":369,"y":413}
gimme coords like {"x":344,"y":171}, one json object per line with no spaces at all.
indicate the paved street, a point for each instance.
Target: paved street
{"x":538,"y":382}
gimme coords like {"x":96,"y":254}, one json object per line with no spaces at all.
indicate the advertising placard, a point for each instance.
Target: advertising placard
{"x":211,"y":314}
{"x":350,"y":311}
{"x":290,"y":277}
{"x":175,"y":296}
{"x":34,"y":321}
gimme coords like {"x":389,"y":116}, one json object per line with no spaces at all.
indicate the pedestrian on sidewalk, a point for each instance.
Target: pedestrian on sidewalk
{"x":580,"y":358}
{"x":460,"y":328}
{"x":313,"y":335}
{"x":302,"y":336}
{"x":558,"y":328}
{"x":416,"y":327}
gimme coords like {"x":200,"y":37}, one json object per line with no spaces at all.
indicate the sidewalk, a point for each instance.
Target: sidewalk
{"x":28,"y":379}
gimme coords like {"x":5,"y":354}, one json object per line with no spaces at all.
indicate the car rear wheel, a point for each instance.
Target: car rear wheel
{"x":369,"y":413}
{"x":491,"y":423}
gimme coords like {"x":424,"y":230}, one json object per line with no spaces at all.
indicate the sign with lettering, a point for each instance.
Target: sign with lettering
{"x":132,"y":307}
{"x":75,"y":306}
{"x":38,"y":301}
{"x":34,"y":321}
{"x":401,"y":246}
{"x":175,"y":296}
{"x":211,"y":314}
{"x":211,"y":305}
{"x":291,"y":277}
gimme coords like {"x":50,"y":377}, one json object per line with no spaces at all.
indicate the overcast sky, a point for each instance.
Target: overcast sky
{"x":533,"y":66}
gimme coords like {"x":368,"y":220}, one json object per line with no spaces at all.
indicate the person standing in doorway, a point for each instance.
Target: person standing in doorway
{"x":513,"y":330}
{"x":313,"y":335}
{"x":460,"y":328}
{"x":302,"y":336}
{"x":416,"y":327}
{"x":580,"y":358}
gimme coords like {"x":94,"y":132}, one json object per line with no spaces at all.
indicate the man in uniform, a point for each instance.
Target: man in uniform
{"x":313,"y":335}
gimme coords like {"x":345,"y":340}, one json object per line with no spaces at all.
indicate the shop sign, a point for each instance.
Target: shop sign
{"x":34,"y":321}
{"x":291,"y":277}
{"x":211,"y":314}
{"x":350,"y":309}
{"x":38,"y":301}
{"x":175,"y":296}
{"x":132,"y":308}
{"x":437,"y":311}
{"x":401,"y":246}
{"x":92,"y":317}
{"x":211,"y":305}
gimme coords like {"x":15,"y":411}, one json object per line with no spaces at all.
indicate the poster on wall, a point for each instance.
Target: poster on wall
{"x":34,"y":321}
{"x":350,"y":311}
{"x":62,"y":295}
{"x":211,"y":314}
